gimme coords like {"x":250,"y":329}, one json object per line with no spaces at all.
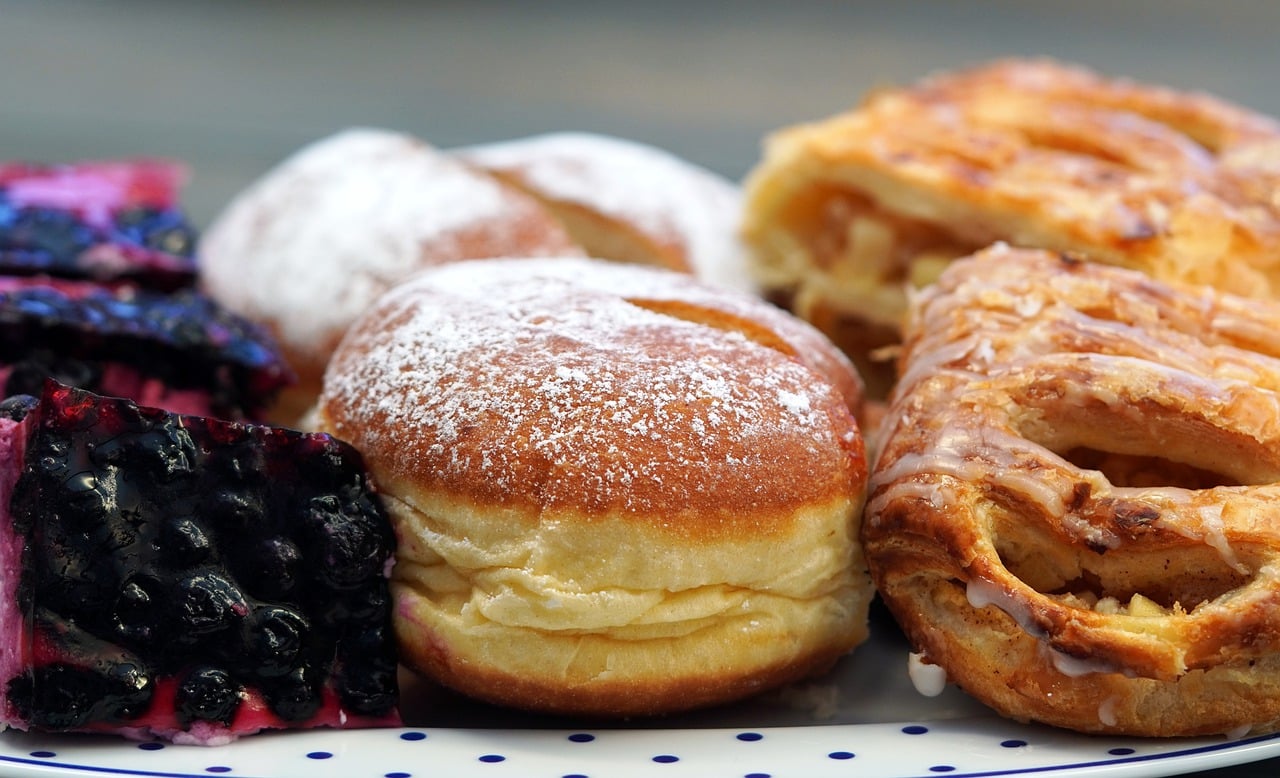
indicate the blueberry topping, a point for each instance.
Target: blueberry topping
{"x":47,"y":232}
{"x":206,"y":603}
{"x":163,"y":230}
{"x":137,"y":611}
{"x":185,"y":541}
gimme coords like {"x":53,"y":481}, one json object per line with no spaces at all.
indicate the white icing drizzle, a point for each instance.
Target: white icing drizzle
{"x":1238,"y":732}
{"x":980,"y":593}
{"x":1074,"y":666}
{"x":1107,"y":711}
{"x":929,"y":679}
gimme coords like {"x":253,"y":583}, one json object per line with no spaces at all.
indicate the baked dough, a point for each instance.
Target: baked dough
{"x":628,"y":201}
{"x":1073,"y":511}
{"x":846,"y":215}
{"x":617,"y":491}
{"x":306,"y":248}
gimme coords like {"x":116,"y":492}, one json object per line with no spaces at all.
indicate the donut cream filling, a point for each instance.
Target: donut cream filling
{"x":615,"y":577}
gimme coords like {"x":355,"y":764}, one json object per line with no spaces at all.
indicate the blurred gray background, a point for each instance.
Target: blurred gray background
{"x":232,"y":87}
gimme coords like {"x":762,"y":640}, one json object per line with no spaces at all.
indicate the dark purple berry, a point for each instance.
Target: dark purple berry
{"x":294,"y":696}
{"x":208,"y":694}
{"x":17,"y":407}
{"x":206,"y":603}
{"x":61,"y":696}
{"x":276,"y":638}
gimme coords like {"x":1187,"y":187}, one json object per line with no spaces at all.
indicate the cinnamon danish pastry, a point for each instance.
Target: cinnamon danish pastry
{"x":1074,"y":508}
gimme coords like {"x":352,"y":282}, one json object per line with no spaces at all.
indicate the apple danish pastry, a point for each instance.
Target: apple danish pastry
{"x":1074,"y":508}
{"x":845,"y":215}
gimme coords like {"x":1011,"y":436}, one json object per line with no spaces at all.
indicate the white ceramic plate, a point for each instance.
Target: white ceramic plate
{"x":864,"y":720}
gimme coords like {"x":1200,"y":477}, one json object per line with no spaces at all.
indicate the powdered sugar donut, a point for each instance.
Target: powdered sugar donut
{"x":628,"y":201}
{"x":306,"y":248}
{"x":616,"y":490}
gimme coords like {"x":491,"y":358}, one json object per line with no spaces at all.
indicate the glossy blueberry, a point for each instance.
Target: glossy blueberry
{"x":206,"y":602}
{"x":294,"y":696}
{"x":207,"y":694}
{"x":276,"y":637}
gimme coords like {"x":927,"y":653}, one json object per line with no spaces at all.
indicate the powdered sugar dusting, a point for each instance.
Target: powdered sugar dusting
{"x":668,"y":198}
{"x":311,"y":245}
{"x":525,"y":374}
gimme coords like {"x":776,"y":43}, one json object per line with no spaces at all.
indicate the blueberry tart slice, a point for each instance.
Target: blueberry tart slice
{"x":187,"y":578}
{"x":180,"y":351}
{"x":107,"y":221}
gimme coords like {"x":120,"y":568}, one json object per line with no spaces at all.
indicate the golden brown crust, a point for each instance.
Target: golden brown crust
{"x":846,"y":214}
{"x":617,"y":490}
{"x":1073,"y":507}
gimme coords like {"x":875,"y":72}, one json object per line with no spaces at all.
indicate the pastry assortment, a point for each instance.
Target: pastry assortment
{"x":590,"y":430}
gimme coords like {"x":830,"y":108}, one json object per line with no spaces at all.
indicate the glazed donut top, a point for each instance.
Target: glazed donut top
{"x":311,"y":244}
{"x":597,"y":388}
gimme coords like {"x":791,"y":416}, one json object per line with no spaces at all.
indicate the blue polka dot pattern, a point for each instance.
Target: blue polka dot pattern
{"x":1004,"y":750}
